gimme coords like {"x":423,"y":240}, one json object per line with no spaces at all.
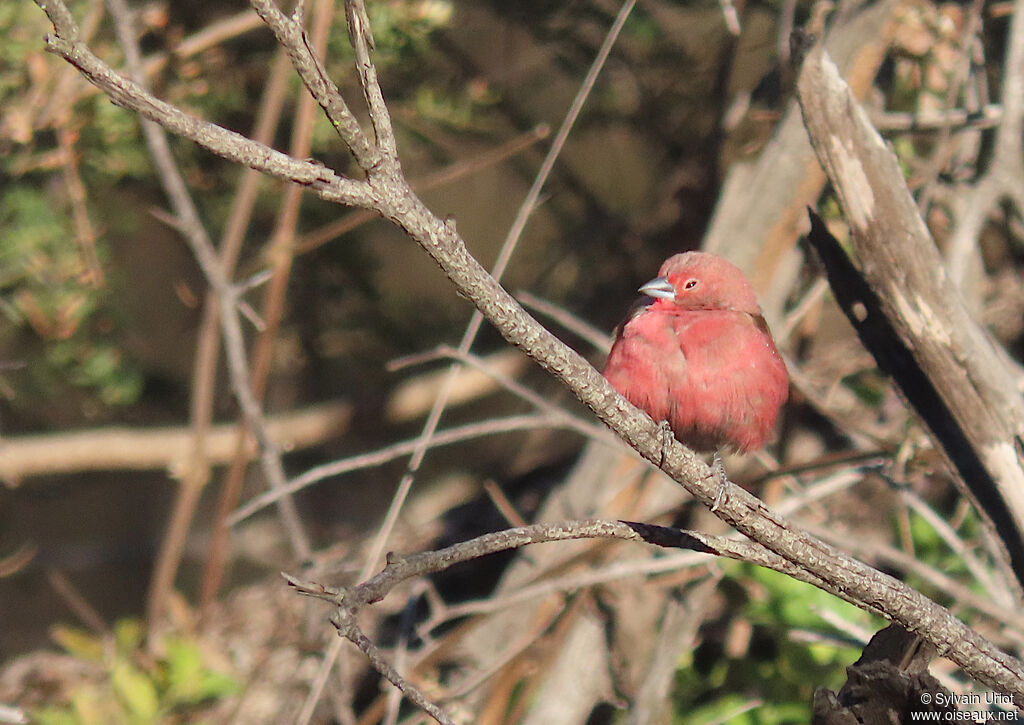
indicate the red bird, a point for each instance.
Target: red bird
{"x":697,"y":353}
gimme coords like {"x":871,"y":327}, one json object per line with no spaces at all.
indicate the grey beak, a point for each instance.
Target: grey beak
{"x":660,"y":288}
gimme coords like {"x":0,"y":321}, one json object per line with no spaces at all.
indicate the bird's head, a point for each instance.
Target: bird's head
{"x":702,"y":281}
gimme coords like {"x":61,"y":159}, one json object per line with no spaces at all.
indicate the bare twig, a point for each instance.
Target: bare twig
{"x":595,"y":336}
{"x":956,"y":544}
{"x":307,"y":64}
{"x":204,"y":366}
{"x":195,"y":234}
{"x":955,"y":118}
{"x":462,"y":168}
{"x":280,"y":256}
{"x":521,"y":391}
{"x":85,"y":233}
{"x":227,"y":144}
{"x":397,"y":450}
{"x":1002,"y":179}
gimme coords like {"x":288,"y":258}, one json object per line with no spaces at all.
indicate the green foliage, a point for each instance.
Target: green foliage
{"x":66,"y":332}
{"x":45,"y":287}
{"x":97,"y":366}
{"x":136,"y":687}
{"x":931,"y":549}
{"x":458,"y":111}
{"x":111,"y":145}
{"x":774,"y":681}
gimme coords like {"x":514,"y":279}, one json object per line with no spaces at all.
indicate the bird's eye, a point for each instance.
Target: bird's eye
{"x":691,"y":283}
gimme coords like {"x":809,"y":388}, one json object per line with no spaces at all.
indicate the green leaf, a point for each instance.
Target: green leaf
{"x":136,"y":690}
{"x":54,"y":716}
{"x":78,"y":642}
{"x":128,"y":634}
{"x":189,"y":680}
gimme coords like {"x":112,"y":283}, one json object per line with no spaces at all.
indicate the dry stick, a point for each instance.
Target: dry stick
{"x":598,"y":338}
{"x":980,"y":573}
{"x":77,"y":603}
{"x":916,"y":324}
{"x":209,"y":36}
{"x":195,"y":234}
{"x":291,"y":36}
{"x":401,"y":449}
{"x":280,"y":256}
{"x":204,"y":365}
{"x":802,"y":554}
{"x":466,"y":167}
{"x":956,"y":118}
{"x":208,"y":347}
{"x":944,"y":144}
{"x":401,"y":656}
{"x":170,"y":448}
{"x":565,"y":585}
{"x":85,"y":233}
{"x":891,"y":557}
{"x":229,"y":145}
{"x":661,"y":565}
{"x":349,"y":600}
{"x":520,"y":391}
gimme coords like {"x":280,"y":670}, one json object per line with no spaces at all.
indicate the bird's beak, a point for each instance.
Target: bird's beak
{"x":660,"y":288}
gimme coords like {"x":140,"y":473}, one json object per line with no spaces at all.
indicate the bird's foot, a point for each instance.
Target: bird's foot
{"x":666,"y":440}
{"x":723,"y":482}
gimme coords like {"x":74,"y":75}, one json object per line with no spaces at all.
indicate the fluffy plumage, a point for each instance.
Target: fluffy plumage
{"x":697,"y":353}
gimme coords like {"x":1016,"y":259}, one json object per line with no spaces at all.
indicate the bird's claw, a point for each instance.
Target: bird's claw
{"x":666,"y":440}
{"x":723,"y":482}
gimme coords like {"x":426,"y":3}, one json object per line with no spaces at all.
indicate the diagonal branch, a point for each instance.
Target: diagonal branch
{"x":216,"y":139}
{"x":912,"y":319}
{"x":307,"y":64}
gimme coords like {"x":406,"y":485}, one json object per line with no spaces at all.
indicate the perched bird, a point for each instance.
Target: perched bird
{"x":696,"y":352}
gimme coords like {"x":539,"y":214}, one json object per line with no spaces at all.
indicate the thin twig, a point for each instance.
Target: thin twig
{"x":197,"y":238}
{"x":465,"y":167}
{"x":521,"y":391}
{"x":204,"y":369}
{"x":397,"y":450}
{"x":1002,"y":179}
{"x":597,"y":337}
{"x":957,"y":545}
{"x":280,"y":255}
{"x":307,"y":64}
{"x":171,"y":448}
{"x":227,"y":144}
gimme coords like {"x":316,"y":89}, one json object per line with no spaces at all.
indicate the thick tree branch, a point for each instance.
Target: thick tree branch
{"x":912,"y":319}
{"x":107,"y":449}
{"x":292,"y":38}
